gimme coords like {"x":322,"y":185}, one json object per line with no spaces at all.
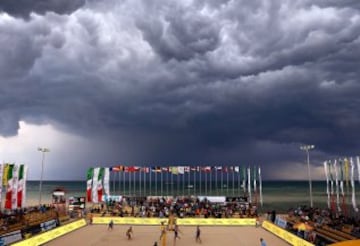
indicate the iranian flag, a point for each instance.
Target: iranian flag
{"x":21,"y":190}
{"x":100,"y":188}
{"x":89,"y":179}
{"x":107,"y":181}
{"x":15,"y":180}
{"x":9,"y":186}
{"x":94,"y":192}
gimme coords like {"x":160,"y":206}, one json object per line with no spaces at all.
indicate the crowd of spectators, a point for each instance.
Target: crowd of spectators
{"x":180,"y":206}
{"x":23,"y":217}
{"x":322,"y":219}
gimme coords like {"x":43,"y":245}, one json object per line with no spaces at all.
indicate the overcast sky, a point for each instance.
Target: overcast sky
{"x":179,"y":82}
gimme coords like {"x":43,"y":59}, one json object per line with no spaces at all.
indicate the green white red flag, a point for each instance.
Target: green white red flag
{"x":89,"y":179}
{"x":21,"y":190}
{"x":9,"y":180}
{"x":100,"y":188}
{"x":94,"y":192}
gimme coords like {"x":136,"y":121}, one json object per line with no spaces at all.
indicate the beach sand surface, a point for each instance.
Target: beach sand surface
{"x":147,"y":235}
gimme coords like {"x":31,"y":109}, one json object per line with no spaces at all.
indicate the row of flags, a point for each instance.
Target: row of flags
{"x":338,"y":173}
{"x":98,"y":178}
{"x":14,"y":178}
{"x":97,"y":184}
{"x":174,"y":169}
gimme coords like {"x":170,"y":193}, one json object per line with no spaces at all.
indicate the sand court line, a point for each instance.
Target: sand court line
{"x":147,"y":235}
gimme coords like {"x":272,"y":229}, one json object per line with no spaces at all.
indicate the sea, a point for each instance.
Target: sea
{"x":276,"y":195}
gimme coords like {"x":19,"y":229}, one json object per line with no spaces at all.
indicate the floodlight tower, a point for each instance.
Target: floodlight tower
{"x":307,"y":148}
{"x":43,"y":151}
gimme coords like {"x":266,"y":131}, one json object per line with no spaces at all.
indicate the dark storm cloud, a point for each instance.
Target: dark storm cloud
{"x":23,"y":8}
{"x":202,"y":81}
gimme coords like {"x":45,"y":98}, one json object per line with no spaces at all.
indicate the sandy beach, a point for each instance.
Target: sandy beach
{"x":147,"y":235}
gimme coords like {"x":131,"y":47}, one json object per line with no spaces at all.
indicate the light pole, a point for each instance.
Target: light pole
{"x":306,"y":148}
{"x":43,"y":150}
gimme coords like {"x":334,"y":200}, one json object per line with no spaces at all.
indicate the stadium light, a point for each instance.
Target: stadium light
{"x":43,"y":151}
{"x":306,"y":148}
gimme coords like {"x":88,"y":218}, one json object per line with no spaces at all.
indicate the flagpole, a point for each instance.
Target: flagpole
{"x":140,"y":182}
{"x":129,"y":182}
{"x":227,"y":181}
{"x":161,"y":184}
{"x":123,"y":179}
{"x":206,"y":192}
{"x":249,"y":184}
{"x":244,"y":179}
{"x":144,"y":181}
{"x":134,"y":184}
{"x":255,"y":186}
{"x":167,"y":182}
{"x":150,"y":187}
{"x":119,"y":178}
{"x":114,"y":173}
{"x":216,"y":183}
{"x":178,"y":184}
{"x":188,"y":174}
{"x":260,"y":187}
{"x":200,"y":180}
{"x":211,"y":180}
{"x":233,"y":182}
{"x":156,"y":184}
{"x":172,"y":180}
{"x":238,"y":177}
{"x":183,"y":183}
{"x":194,"y":180}
{"x":222,"y":181}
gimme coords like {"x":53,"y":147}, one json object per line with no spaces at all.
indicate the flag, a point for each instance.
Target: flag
{"x":237,"y":169}
{"x":119,"y":168}
{"x":21,"y":186}
{"x":181,"y":170}
{"x":156,"y":169}
{"x":187,"y":169}
{"x":327,"y":183}
{"x":206,"y":169}
{"x":341,"y":167}
{"x":132,"y":169}
{"x":107,"y":181}
{"x":174,"y":170}
{"x":244,"y":178}
{"x":14,"y":187}
{"x":346,"y":170}
{"x":195,"y":169}
{"x":249,"y":183}
{"x":165,"y":169}
{"x":255,"y":184}
{"x":89,"y":179}
{"x":337,"y":185}
{"x":331,"y":185}
{"x":9,"y":187}
{"x":353,"y":198}
{"x":260,"y":187}
{"x":145,"y":169}
{"x":94,"y":192}
{"x":5,"y":174}
{"x":218,"y":168}
{"x":100,"y":184}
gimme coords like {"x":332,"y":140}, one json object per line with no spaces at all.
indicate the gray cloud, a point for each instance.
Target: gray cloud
{"x":23,"y":8}
{"x":207,"y":81}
